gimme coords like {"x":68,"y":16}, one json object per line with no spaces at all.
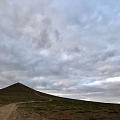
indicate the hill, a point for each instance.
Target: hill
{"x":28,"y":104}
{"x":21,"y":93}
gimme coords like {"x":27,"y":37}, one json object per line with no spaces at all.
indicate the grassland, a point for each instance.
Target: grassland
{"x":33,"y":105}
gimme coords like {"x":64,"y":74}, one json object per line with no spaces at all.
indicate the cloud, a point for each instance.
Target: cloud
{"x":110,"y":83}
{"x":56,"y":47}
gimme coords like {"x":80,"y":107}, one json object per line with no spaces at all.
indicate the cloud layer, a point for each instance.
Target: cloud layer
{"x":60,"y":47}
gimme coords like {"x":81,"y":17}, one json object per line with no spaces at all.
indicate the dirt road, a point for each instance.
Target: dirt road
{"x":7,"y":110}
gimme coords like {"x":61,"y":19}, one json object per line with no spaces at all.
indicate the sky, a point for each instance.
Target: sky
{"x":61,"y":47}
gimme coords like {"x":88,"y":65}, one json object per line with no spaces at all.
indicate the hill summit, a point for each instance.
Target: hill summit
{"x":20,"y":93}
{"x":17,"y":87}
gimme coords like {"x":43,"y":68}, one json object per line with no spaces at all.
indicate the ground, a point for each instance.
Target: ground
{"x":19,"y":102}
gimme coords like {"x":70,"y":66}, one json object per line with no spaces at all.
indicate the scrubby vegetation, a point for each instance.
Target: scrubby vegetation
{"x":56,"y":108}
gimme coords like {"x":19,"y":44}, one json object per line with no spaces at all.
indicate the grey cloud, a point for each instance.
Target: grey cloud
{"x":68,"y":45}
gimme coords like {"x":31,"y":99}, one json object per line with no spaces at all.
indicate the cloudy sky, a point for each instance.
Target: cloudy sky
{"x":61,"y":47}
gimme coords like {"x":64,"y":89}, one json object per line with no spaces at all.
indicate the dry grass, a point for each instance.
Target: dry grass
{"x":55,"y":108}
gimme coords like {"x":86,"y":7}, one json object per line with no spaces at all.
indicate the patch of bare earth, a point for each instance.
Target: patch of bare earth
{"x":11,"y":112}
{"x":6,"y":111}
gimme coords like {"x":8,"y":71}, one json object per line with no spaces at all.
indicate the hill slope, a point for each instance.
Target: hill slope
{"x":33,"y":105}
{"x":20,"y":93}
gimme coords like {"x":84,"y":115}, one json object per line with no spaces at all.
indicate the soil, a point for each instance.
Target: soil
{"x":7,"y":110}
